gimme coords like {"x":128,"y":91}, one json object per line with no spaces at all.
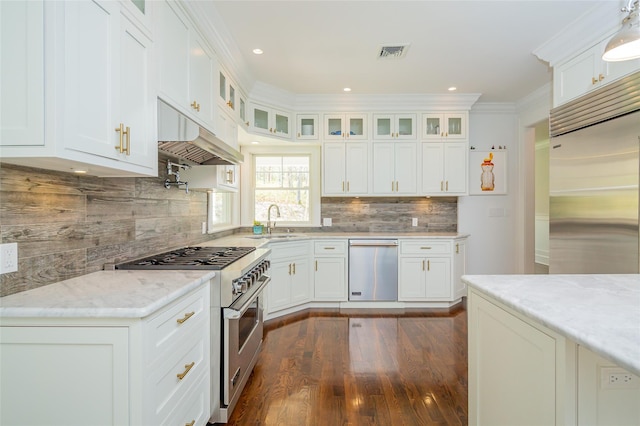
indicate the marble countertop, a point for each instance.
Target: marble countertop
{"x":246,"y":239}
{"x":104,"y":294}
{"x":600,"y":312}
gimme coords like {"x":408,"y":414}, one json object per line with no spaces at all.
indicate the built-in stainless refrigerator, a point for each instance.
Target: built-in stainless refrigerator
{"x":593,"y":180}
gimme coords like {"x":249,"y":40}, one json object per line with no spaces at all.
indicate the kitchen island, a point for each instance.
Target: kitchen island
{"x":554,"y":349}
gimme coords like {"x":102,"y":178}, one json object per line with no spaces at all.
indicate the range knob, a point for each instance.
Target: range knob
{"x":237,"y":287}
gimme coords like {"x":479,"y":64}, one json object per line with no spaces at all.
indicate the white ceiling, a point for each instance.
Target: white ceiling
{"x":320,"y":47}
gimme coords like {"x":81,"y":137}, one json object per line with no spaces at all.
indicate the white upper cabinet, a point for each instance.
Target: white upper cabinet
{"x":100,"y":107}
{"x":345,"y":168}
{"x":395,"y":168}
{"x":186,"y":66}
{"x":587,"y":71}
{"x":445,"y":126}
{"x":394,"y":126}
{"x":345,"y":127}
{"x":307,"y":127}
{"x":444,"y":169}
{"x":270,"y":121}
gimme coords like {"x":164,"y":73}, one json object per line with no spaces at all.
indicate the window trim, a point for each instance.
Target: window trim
{"x":248,"y":185}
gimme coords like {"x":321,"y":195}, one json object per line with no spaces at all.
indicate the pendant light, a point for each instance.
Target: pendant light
{"x":625,"y":44}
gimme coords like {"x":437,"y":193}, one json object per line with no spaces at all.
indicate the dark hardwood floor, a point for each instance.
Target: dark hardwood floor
{"x":320,"y":368}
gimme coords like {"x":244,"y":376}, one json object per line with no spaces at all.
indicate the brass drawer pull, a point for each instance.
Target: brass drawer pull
{"x":191,"y":423}
{"x":187,"y":367}
{"x":425,"y":248}
{"x":186,"y":317}
{"x":329,"y":248}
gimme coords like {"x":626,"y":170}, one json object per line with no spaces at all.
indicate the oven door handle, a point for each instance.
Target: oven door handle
{"x":232,"y":313}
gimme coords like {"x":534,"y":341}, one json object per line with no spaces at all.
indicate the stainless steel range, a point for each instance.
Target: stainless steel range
{"x":236,"y":312}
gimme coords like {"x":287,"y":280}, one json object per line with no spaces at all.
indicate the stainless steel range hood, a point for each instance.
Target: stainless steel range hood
{"x":180,"y":136}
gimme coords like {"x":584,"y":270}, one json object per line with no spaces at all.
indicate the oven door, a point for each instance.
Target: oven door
{"x":242,"y":338}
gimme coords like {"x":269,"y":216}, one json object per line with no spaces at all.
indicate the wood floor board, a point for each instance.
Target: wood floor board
{"x":330,"y":368}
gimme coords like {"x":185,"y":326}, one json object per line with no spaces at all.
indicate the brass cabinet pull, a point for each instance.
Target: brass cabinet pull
{"x":186,"y":317}
{"x":600,"y":77}
{"x":447,"y":187}
{"x":191,"y":423}
{"x":187,"y":367}
{"x":348,"y":186}
{"x":593,"y":80}
{"x":294,"y":269}
{"x":289,"y":269}
{"x":229,"y":176}
{"x":298,"y":134}
{"x":121,"y":131}
{"x":457,"y":248}
{"x":316,"y":266}
{"x":423,"y":265}
{"x":329,"y":248}
{"x":428,"y":265}
{"x":391,"y":186}
{"x":441,"y":185}
{"x":397,"y":188}
{"x":195,"y":106}
{"x":342,"y":186}
{"x":128,"y":133}
{"x":246,"y":122}
{"x":425,"y":248}
{"x":230,"y":104}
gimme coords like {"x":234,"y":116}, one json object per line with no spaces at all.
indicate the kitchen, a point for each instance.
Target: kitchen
{"x":67,"y":226}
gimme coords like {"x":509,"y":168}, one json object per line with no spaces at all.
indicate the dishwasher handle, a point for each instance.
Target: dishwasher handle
{"x":373,"y":243}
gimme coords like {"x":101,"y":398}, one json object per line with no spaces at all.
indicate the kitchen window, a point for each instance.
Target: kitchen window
{"x":283,"y":180}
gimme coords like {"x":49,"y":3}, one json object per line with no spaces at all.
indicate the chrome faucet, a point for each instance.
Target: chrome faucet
{"x":269,"y":218}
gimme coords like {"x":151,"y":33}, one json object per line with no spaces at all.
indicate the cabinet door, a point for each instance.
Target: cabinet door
{"x":432,"y":168}
{"x":356,"y":126}
{"x":459,"y":269}
{"x":300,"y":281}
{"x":438,"y":278}
{"x":455,"y":168}
{"x":91,"y":76}
{"x":281,"y":123}
{"x":575,"y":77}
{"x":411,"y":282}
{"x":173,"y":53}
{"x":201,"y":98}
{"x":383,"y":126}
{"x":307,"y":127}
{"x":384,"y":181}
{"x":333,"y":168}
{"x":329,"y":279}
{"x":456,"y":126}
{"x":22,"y":77}
{"x":89,"y":378}
{"x":138,"y":102}
{"x":356,"y":171}
{"x":280,"y":286}
{"x":406,"y":167}
{"x":405,"y":126}
{"x":334,"y":127}
{"x":432,"y":126}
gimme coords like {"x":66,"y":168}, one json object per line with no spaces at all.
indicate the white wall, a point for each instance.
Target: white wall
{"x":491,"y":219}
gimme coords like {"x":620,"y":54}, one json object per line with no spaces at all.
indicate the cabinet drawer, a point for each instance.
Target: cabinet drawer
{"x":330,"y":247}
{"x":285,"y":251}
{"x":425,"y":247}
{"x":175,"y":321}
{"x":194,"y":407}
{"x":166,"y":388}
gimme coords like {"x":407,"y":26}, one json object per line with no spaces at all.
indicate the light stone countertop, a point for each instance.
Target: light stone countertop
{"x":600,"y":312}
{"x":105,"y":294}
{"x":250,"y":240}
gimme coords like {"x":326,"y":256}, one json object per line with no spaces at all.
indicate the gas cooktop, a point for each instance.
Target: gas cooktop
{"x":210,"y":258}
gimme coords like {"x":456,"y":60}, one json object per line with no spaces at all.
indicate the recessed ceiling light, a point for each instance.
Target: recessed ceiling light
{"x":452,"y":88}
{"x":79,"y":171}
{"x":347,"y":89}
{"x":255,"y":143}
{"x":258,"y":51}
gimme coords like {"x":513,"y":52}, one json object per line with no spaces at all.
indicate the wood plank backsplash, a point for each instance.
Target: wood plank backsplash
{"x":391,"y":214}
{"x":68,"y":225}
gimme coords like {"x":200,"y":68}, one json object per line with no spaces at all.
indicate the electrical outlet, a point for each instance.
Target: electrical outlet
{"x":414,"y":221}
{"x":8,"y":258}
{"x":326,"y":221}
{"x":617,"y":378}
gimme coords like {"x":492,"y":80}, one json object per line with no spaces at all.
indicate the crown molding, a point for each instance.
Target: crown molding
{"x":387,"y":102}
{"x":601,"y":21}
{"x":494,"y":108}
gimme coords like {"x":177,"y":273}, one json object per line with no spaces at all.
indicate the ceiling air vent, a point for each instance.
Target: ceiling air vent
{"x":395,"y":51}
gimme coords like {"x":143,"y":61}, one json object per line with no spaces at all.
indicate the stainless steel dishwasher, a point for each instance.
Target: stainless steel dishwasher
{"x":373,"y":269}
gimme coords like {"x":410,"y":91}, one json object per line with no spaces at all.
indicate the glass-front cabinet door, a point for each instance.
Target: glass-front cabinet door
{"x":307,"y":127}
{"x":223,"y":88}
{"x":271,"y":122}
{"x":242,"y":111}
{"x":282,"y":125}
{"x":345,"y":126}
{"x":394,"y":126}
{"x":443,"y":126}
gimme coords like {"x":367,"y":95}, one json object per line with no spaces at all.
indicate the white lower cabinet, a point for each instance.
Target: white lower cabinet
{"x":523,"y":373}
{"x":79,"y":371}
{"x":290,"y":275}
{"x":330,"y":270}
{"x":430,"y":270}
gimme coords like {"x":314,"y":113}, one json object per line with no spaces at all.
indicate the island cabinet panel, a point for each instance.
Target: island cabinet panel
{"x":86,"y":371}
{"x":512,"y":368}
